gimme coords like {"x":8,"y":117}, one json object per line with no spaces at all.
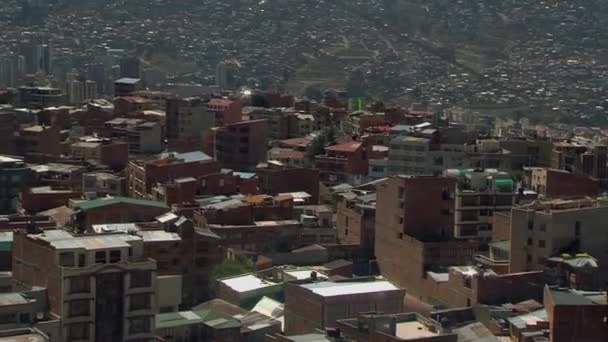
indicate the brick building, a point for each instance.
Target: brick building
{"x":418,"y":206}
{"x":275,"y":179}
{"x":555,"y":183}
{"x":39,"y":199}
{"x":226,"y":111}
{"x":186,"y":119}
{"x":227,"y":182}
{"x":580,"y":159}
{"x":44,"y":140}
{"x":179,"y":249}
{"x":114,"y":210}
{"x":239,"y":145}
{"x":311,"y":305}
{"x":102,"y":286}
{"x":130,"y":105}
{"x":142,"y":136}
{"x":143,"y":175}
{"x":343,"y":163}
{"x":376,"y":327}
{"x":356,"y":221}
{"x":104,"y":183}
{"x":576,"y":317}
{"x":413,"y":230}
{"x":259,"y":236}
{"x":468,"y":286}
{"x":114,"y":154}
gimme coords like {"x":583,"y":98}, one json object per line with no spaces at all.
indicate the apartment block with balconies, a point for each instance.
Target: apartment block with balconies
{"x":479,"y":194}
{"x":101,"y":285}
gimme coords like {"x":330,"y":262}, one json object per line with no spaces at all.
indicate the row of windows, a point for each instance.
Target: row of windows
{"x":541,"y":243}
{"x":82,"y":284}
{"x":82,"y":307}
{"x":67,"y":259}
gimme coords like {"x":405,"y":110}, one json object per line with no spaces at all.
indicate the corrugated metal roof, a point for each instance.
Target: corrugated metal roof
{"x":159,"y":235}
{"x":102,"y":202}
{"x":329,"y":289}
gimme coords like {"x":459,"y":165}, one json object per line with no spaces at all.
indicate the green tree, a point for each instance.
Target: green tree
{"x":229,"y":268}
{"x":317,"y":147}
{"x":326,"y":137}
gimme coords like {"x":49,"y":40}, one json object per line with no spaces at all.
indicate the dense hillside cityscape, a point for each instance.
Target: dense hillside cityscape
{"x":298,"y":170}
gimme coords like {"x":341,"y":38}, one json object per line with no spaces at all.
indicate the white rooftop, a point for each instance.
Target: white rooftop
{"x":412,"y":330}
{"x":329,"y":289}
{"x":303,"y":274}
{"x":247,"y":283}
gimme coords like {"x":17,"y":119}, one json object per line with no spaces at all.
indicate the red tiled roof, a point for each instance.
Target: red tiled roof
{"x":220,"y":102}
{"x":134,"y":99}
{"x":347,"y":147}
{"x":291,"y":155}
{"x":295,"y":142}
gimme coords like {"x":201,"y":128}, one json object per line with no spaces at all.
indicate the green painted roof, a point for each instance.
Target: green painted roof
{"x":176,"y":319}
{"x":6,"y":241}
{"x":102,"y":202}
{"x":217,"y":319}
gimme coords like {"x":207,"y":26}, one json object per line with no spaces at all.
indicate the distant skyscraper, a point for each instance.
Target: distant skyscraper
{"x":76,"y":91}
{"x":90,"y":90}
{"x":129,"y":67}
{"x":9,"y":70}
{"x":43,"y":55}
{"x":36,"y":52}
{"x":225,"y":73}
{"x":97,"y":73}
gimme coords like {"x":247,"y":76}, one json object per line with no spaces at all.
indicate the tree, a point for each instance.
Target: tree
{"x":229,"y":268}
{"x":317,"y":147}
{"x":327,"y":137}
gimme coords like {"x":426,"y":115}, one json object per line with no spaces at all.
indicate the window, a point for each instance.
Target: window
{"x":401,"y":220}
{"x":541,"y":243}
{"x":79,"y":308}
{"x":202,"y":247}
{"x":201,"y":262}
{"x":530,"y":242}
{"x":543,"y":227}
{"x":139,"y":301}
{"x":141,"y":279}
{"x":401,"y":204}
{"x":467,"y":282}
{"x":24,"y":318}
{"x":577,"y":228}
{"x":528,"y":258}
{"x":346,"y":232}
{"x":530,"y":225}
{"x":80,"y":284}
{"x":114,"y":256}
{"x":346,"y":221}
{"x":100,"y":257}
{"x":66,"y":259}
{"x":401,"y":192}
{"x":81,"y":260}
{"x":8,"y":318}
{"x":78,"y":331}
{"x":139,"y":325}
